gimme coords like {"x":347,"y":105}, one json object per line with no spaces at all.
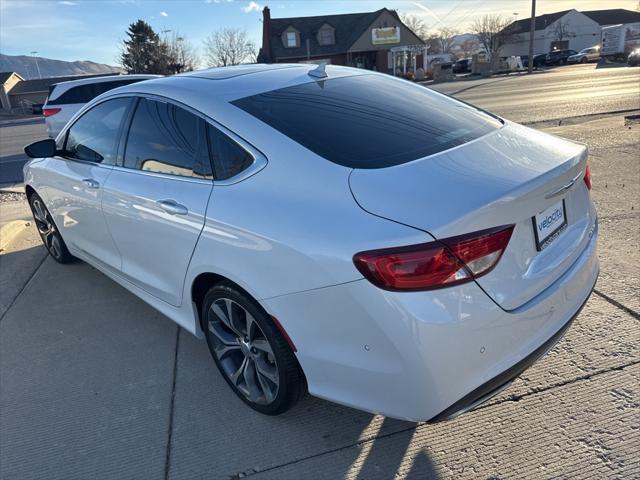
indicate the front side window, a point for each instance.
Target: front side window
{"x":94,"y":136}
{"x":229,"y":158}
{"x":369,"y":121}
{"x":291,"y":39}
{"x":164,"y":138}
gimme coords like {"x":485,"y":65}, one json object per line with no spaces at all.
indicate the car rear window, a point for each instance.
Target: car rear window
{"x":89,"y":91}
{"x":369,"y":121}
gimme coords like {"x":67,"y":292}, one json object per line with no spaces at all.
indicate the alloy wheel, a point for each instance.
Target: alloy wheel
{"x":243,"y":351}
{"x":46,"y":228}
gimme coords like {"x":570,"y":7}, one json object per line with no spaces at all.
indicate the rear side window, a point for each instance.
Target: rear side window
{"x":94,"y":136}
{"x":229,"y":158}
{"x":164,"y":138}
{"x":87,"y":92}
{"x":369,"y":121}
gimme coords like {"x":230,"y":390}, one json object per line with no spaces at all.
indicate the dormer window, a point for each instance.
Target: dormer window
{"x":291,"y":39}
{"x":326,"y":35}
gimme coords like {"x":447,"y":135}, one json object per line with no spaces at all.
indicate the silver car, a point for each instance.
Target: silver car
{"x":328,"y":229}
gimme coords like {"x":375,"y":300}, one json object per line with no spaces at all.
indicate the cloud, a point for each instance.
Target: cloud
{"x":67,"y":2}
{"x":164,"y":14}
{"x":251,"y":7}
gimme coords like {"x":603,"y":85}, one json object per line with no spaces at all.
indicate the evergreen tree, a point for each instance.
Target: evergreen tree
{"x":143,"y":51}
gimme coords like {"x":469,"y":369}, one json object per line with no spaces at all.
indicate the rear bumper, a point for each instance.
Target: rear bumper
{"x":498,"y":383}
{"x":425,"y":355}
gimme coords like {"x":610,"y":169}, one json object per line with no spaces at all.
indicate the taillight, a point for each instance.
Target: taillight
{"x":587,"y":176}
{"x":438,"y":264}
{"x":47,"y":112}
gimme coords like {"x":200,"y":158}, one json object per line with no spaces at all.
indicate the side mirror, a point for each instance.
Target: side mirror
{"x":41,"y":149}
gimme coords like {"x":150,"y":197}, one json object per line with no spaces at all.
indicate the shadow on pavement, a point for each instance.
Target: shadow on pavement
{"x":88,"y":391}
{"x":601,"y":65}
{"x":12,"y":122}
{"x":11,"y":168}
{"x":215,"y":433}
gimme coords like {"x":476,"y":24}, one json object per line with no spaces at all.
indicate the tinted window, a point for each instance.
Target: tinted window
{"x":229,"y":158}
{"x":94,"y":136}
{"x":164,"y":138}
{"x":369,"y":121}
{"x":84,"y":93}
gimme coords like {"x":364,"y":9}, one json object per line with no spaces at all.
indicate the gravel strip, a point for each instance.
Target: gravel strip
{"x":12,"y":197}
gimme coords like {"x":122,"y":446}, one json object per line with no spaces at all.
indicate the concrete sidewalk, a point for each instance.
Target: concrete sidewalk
{"x":96,"y":384}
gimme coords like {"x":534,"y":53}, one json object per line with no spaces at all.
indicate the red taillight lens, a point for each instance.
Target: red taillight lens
{"x":427,"y":266}
{"x":587,"y":176}
{"x":47,"y":112}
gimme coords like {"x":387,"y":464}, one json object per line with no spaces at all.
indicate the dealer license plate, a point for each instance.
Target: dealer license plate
{"x":549,"y":224}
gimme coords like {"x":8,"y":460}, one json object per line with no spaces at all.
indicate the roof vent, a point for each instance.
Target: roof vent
{"x":319,"y":71}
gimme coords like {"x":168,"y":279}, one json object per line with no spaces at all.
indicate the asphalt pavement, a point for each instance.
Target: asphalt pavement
{"x":96,"y":384}
{"x":555,"y":93}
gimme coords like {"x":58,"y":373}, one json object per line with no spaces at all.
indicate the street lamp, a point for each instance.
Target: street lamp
{"x":36,"y":59}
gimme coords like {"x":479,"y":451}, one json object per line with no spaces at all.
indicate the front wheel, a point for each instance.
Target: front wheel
{"x":48,"y":231}
{"x":252,"y":354}
{"x":584,"y":60}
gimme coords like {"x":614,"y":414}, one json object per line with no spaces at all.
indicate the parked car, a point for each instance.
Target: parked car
{"x":462,"y":66}
{"x":539,"y":60}
{"x":323,"y":233}
{"x":634,"y":58}
{"x":66,"y":98}
{"x":591,"y":54}
{"x":559,"y":57}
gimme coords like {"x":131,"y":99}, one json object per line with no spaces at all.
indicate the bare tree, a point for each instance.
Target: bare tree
{"x":229,"y":46}
{"x":433,"y":41}
{"x":446,"y":37}
{"x":469,"y":47}
{"x":415,"y":24}
{"x":490,"y":30}
{"x":561,"y":31}
{"x":182,"y":54}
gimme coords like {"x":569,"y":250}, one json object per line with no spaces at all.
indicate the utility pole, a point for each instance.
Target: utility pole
{"x":532,"y":33}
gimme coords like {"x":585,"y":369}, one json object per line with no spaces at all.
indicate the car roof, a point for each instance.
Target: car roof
{"x":225,"y":84}
{"x":109,"y":78}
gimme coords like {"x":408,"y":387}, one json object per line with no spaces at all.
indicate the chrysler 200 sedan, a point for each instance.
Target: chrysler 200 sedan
{"x":328,"y":230}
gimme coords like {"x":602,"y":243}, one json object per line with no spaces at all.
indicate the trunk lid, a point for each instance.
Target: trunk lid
{"x":506,"y":177}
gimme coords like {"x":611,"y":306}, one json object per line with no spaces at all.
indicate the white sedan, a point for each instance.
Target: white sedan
{"x":335,"y":231}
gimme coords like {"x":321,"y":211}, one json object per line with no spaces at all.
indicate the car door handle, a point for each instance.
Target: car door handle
{"x":90,"y":183}
{"x":172,"y":207}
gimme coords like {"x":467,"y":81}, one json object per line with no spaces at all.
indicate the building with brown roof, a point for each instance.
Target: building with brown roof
{"x":361,"y":40}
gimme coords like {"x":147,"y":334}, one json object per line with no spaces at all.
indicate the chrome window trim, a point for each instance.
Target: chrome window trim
{"x":259,"y":159}
{"x":150,"y":173}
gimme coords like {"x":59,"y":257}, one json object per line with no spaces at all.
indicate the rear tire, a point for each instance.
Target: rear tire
{"x":48,"y":231}
{"x":583,"y":60}
{"x":250,"y":351}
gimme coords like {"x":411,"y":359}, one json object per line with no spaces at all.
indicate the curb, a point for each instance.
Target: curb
{"x":10,"y":231}
{"x":12,"y":187}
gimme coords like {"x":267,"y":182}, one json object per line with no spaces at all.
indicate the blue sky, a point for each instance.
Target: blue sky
{"x":93,"y":29}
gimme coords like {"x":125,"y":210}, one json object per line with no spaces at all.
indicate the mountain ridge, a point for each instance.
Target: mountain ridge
{"x":27,"y":68}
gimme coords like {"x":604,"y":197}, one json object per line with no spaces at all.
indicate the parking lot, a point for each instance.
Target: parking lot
{"x":96,"y":384}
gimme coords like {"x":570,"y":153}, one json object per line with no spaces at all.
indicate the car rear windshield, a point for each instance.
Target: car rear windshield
{"x":89,"y":91}
{"x":369,"y":121}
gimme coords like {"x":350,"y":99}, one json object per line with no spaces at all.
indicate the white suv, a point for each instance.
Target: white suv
{"x":66,"y":98}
